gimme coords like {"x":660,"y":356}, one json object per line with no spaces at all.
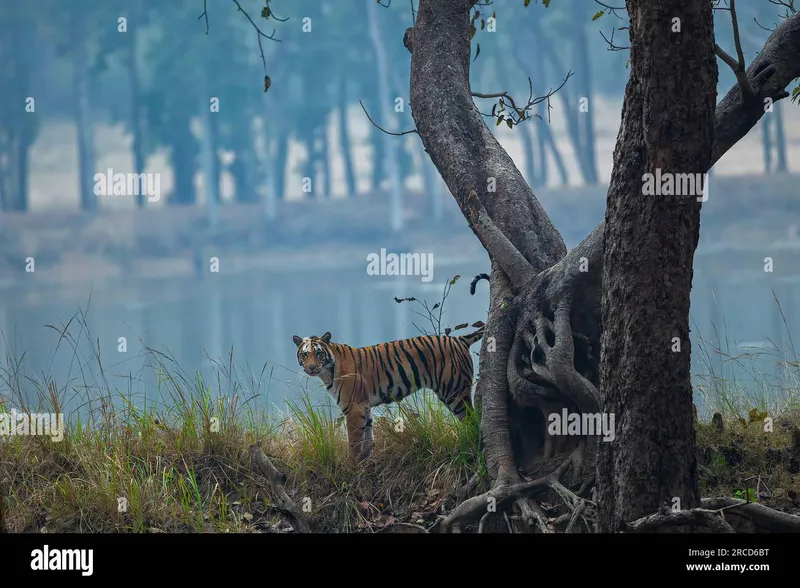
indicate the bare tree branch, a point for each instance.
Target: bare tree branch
{"x":400,"y":134}
{"x":779,"y":522}
{"x":711,"y":520}
{"x":266,"y":13}
{"x":517,"y":115}
{"x":276,"y":481}
{"x":738,"y":66}
{"x":772,"y":70}
{"x":204,"y":14}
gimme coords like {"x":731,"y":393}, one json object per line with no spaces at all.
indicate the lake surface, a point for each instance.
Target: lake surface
{"x":197,"y":322}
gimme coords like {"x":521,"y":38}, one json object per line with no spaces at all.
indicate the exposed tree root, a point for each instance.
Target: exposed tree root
{"x":711,"y":516}
{"x":276,"y":482}
{"x":763,"y":516}
{"x":467,"y":488}
{"x":532,"y":513}
{"x":478,"y":507}
{"x":713,"y":520}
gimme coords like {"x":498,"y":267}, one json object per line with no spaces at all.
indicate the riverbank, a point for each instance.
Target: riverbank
{"x":186,"y":463}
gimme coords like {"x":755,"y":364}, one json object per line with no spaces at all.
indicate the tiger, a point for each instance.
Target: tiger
{"x":362,"y":378}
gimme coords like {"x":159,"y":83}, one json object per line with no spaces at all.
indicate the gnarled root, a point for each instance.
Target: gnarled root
{"x":559,"y":367}
{"x":478,"y":507}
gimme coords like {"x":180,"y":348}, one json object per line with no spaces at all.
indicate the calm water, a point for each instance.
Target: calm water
{"x":198,"y":322}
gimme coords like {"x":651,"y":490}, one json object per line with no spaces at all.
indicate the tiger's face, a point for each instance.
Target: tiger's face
{"x":313,"y":354}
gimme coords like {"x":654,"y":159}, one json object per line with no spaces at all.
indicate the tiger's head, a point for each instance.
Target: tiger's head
{"x":314,"y":355}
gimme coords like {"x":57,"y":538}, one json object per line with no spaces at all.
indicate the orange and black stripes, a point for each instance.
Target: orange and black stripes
{"x":361,"y":378}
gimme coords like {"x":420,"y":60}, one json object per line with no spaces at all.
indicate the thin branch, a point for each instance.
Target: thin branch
{"x":787,"y":4}
{"x":521,"y":113}
{"x":762,"y":26}
{"x":260,"y":34}
{"x":611,"y":9}
{"x":382,"y":129}
{"x":739,"y":68}
{"x":205,"y":14}
{"x":267,"y":13}
{"x":255,"y":26}
{"x":610,"y":42}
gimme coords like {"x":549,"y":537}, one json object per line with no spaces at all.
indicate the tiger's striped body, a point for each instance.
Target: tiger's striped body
{"x":361,"y":378}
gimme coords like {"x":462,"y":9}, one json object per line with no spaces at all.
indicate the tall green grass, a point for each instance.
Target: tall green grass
{"x":180,"y":460}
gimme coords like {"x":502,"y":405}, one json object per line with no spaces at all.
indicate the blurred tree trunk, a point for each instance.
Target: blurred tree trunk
{"x":83,"y":114}
{"x":131,"y":37}
{"x":345,"y":143}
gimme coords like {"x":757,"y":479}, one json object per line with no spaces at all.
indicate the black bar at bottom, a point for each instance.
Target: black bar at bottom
{"x":212,"y":557}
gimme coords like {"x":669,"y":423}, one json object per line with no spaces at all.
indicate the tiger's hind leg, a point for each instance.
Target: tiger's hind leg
{"x":359,"y":433}
{"x":366,"y":443}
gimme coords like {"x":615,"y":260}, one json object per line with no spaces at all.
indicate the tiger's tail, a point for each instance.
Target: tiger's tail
{"x":473,"y":337}
{"x":475,"y":281}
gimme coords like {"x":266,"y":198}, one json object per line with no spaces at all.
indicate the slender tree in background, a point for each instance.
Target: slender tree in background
{"x":384,"y":107}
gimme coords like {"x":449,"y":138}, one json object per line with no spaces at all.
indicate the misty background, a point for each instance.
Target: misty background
{"x":290,"y":190}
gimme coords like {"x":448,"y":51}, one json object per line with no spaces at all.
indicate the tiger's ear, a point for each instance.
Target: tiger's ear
{"x":326,"y":337}
{"x":297,"y":340}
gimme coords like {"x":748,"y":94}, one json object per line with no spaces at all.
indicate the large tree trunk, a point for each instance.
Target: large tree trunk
{"x":541,"y":349}
{"x":666,"y":129}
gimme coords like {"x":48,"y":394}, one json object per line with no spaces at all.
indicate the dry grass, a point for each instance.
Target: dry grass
{"x":183,"y":464}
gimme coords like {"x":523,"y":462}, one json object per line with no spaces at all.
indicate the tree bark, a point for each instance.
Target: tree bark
{"x":667,"y":127}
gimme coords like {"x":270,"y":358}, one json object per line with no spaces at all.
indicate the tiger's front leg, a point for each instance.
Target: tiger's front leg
{"x":359,"y":433}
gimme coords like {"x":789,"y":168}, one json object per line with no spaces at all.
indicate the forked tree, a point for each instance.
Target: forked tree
{"x":594,"y":329}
